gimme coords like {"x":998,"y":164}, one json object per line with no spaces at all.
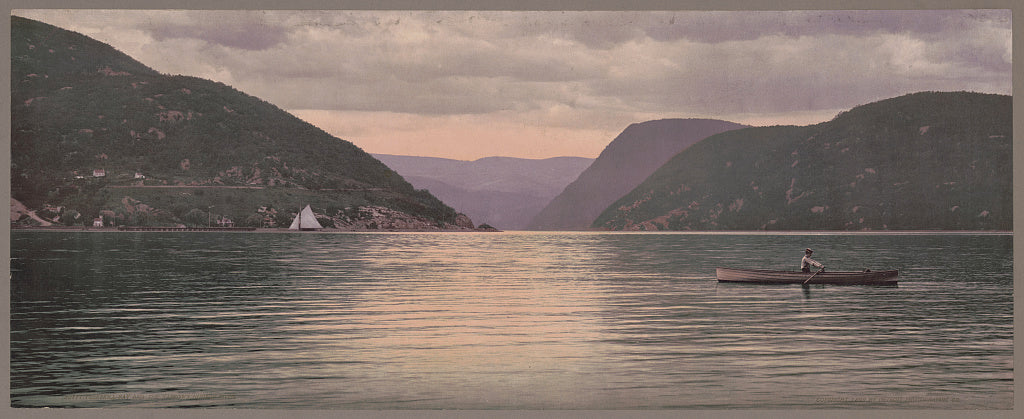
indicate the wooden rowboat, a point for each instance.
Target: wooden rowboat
{"x":761,"y":276}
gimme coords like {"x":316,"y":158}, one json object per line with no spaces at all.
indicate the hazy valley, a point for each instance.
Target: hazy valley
{"x":503,"y":192}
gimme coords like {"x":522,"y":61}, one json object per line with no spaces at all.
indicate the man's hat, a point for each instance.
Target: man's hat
{"x":808,"y":251}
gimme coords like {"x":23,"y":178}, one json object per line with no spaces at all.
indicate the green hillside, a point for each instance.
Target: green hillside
{"x":629,"y":159}
{"x":925,"y":161}
{"x":170,"y":146}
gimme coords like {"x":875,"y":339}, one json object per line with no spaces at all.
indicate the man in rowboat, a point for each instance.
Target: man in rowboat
{"x":807,"y":262}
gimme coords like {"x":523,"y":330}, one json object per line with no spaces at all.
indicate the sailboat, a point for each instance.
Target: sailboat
{"x":305,"y":221}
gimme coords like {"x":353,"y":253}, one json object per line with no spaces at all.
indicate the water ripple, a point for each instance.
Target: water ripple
{"x":513,"y":320}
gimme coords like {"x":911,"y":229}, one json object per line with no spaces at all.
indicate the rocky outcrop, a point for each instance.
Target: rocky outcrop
{"x":463,"y":221}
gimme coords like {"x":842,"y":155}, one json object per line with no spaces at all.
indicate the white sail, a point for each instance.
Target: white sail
{"x":305,"y":220}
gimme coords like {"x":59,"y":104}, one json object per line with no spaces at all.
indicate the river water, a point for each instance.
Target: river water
{"x":511,"y":320}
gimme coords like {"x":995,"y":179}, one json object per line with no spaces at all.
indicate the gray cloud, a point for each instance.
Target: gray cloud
{"x":717,"y":27}
{"x":672,"y":63}
{"x":246,"y":30}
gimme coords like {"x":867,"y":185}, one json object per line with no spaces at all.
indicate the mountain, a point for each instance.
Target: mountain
{"x":632,"y":156}
{"x":95,"y":133}
{"x":503,"y":192}
{"x":924,"y":161}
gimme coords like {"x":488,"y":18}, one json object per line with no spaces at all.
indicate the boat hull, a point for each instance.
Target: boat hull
{"x":760,"y":276}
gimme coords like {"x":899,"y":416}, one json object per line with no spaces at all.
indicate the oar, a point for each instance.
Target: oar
{"x":812,"y":276}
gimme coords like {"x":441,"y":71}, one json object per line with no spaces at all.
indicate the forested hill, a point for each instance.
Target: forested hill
{"x":629,"y":159}
{"x":924,"y":161}
{"x":95,"y":132}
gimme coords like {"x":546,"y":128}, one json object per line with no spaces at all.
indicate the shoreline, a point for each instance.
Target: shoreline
{"x":474,"y":230}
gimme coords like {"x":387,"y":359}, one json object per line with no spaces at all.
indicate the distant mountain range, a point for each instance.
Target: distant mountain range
{"x":503,"y":192}
{"x":924,"y":161}
{"x":96,"y":134}
{"x":629,"y":159}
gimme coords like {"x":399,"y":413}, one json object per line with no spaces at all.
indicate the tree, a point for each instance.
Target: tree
{"x":283,"y":219}
{"x":70,"y":217}
{"x":255,"y":220}
{"x":197,"y":218}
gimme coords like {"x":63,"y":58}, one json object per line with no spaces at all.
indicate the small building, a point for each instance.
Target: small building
{"x":99,"y":173}
{"x":97,"y":222}
{"x":225,"y":222}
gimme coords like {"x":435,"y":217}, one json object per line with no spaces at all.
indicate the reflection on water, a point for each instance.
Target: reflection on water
{"x":508,"y":320}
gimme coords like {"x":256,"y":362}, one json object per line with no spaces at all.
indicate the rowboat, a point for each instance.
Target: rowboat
{"x":761,"y":276}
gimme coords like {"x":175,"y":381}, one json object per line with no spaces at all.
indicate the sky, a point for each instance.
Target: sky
{"x":472,"y":84}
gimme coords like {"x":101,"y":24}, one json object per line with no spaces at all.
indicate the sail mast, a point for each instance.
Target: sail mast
{"x":305,"y":220}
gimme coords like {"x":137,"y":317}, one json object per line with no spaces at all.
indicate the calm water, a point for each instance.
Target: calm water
{"x":504,"y":320}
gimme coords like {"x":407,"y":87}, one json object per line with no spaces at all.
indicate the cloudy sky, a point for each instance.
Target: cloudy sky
{"x":470,"y":84}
